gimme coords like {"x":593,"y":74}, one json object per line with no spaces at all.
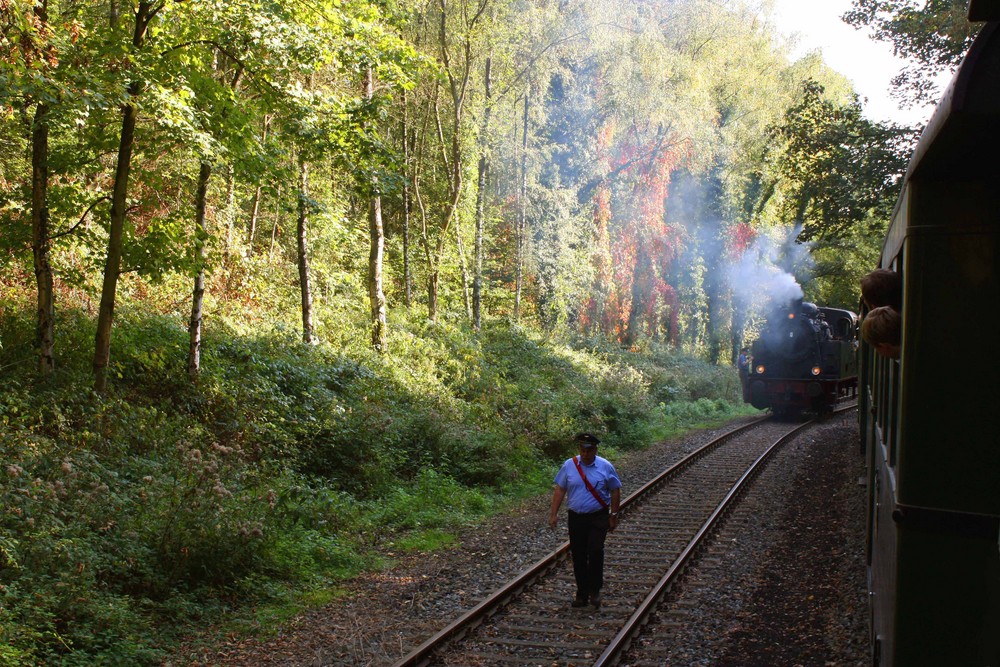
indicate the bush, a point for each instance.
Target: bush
{"x":128,"y":517}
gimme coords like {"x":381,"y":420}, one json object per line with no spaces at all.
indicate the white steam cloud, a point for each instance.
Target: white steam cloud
{"x":762,"y":277}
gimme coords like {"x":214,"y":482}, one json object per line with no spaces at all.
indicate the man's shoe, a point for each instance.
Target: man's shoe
{"x":580,"y":601}
{"x":595,"y":600}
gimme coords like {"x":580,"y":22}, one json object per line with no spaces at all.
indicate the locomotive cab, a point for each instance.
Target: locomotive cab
{"x":840,"y":357}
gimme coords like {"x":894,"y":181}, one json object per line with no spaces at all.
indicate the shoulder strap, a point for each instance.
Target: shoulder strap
{"x":586,"y":481}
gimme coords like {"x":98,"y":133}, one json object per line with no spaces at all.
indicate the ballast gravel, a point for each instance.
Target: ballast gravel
{"x":784,"y":583}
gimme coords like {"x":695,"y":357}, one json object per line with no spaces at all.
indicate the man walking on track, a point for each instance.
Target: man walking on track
{"x":593,"y":492}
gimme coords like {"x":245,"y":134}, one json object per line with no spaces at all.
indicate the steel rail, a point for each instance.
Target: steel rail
{"x":420,"y":656}
{"x":637,"y":621}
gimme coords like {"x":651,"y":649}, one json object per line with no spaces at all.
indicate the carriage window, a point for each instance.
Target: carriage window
{"x":892,"y":424}
{"x":884,"y":391}
{"x":881,"y":396}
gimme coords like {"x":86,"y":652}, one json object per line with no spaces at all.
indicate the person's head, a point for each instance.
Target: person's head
{"x":588,"y":446}
{"x":882,"y":328}
{"x":882,"y":287}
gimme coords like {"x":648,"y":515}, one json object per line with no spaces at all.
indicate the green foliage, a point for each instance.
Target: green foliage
{"x":838,"y":169}
{"x":930,"y":36}
{"x":676,"y":418}
{"x":129,"y":518}
{"x":133,"y":516}
{"x":841,"y":263}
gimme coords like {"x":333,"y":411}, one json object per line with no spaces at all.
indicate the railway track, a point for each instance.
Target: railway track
{"x":665,"y":523}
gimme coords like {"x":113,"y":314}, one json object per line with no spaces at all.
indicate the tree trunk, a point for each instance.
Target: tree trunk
{"x":40,"y":232}
{"x":522,"y":213}
{"x":201,"y":244}
{"x":40,"y":241}
{"x":458,"y":81}
{"x":230,"y":208}
{"x":716,"y":287}
{"x":466,"y":288}
{"x":112,"y":264}
{"x":303,"y":254}
{"x":198,"y":295}
{"x":407,"y":204}
{"x":119,"y":194}
{"x":376,"y":295}
{"x":643,"y":279}
{"x":477,"y":262}
{"x":276,"y":225}
{"x":739,"y":322}
{"x":448,"y":214}
{"x":432,"y":294}
{"x":252,"y":223}
{"x":255,"y":202}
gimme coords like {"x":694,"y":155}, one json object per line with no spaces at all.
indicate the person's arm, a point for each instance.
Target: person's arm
{"x":616,"y":499}
{"x":557,"y":497}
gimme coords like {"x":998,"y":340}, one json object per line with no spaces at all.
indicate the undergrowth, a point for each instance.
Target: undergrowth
{"x":129,"y":518}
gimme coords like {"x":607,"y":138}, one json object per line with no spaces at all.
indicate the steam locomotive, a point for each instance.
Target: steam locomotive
{"x":928,"y":421}
{"x":804,"y":360}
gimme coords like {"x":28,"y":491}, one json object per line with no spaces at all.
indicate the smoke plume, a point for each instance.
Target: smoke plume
{"x":762,"y":277}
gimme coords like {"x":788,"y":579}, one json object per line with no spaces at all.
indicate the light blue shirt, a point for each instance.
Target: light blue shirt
{"x":601,"y":475}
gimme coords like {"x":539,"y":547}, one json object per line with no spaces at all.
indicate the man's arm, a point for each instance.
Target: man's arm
{"x":557,"y":497}
{"x":616,"y":499}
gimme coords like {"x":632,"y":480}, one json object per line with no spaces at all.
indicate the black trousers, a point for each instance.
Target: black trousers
{"x":587,"y":533}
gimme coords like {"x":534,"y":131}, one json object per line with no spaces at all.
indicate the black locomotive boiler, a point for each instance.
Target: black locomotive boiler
{"x":929,"y":420}
{"x":804,"y":360}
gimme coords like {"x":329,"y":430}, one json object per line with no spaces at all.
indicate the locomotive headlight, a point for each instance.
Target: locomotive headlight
{"x":815,"y":370}
{"x":760,"y":369}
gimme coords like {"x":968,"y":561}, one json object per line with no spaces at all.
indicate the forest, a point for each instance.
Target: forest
{"x":285,"y":283}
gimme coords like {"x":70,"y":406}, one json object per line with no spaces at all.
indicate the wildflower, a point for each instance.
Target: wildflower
{"x":14,"y":470}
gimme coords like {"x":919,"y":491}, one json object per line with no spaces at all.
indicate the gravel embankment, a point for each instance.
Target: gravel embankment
{"x":794,"y":591}
{"x":784,"y":582}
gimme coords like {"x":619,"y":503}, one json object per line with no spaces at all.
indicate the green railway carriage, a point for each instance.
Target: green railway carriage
{"x":930,"y":419}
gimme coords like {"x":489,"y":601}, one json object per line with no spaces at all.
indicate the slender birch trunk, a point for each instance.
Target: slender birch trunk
{"x":477,"y":262}
{"x":522,"y":212}
{"x":230,"y":207}
{"x":255,"y":202}
{"x":198,"y":295}
{"x":376,"y":232}
{"x":407,"y":204}
{"x":463,"y":268}
{"x":303,"y":252}
{"x":201,"y":247}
